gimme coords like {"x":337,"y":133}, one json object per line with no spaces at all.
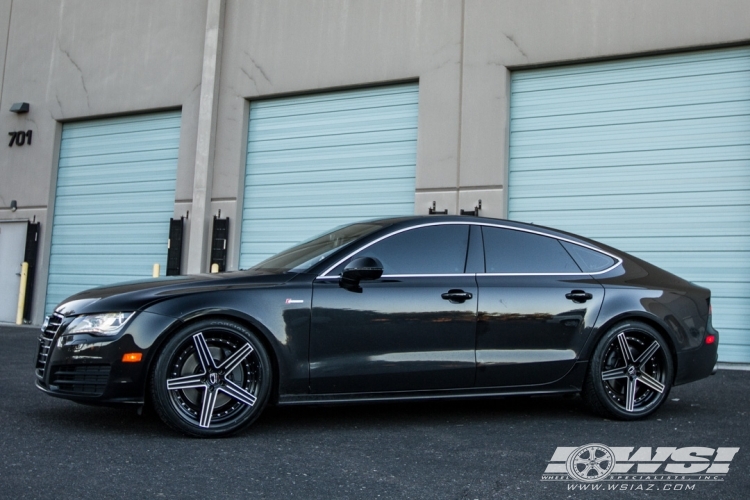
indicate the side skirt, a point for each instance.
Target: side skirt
{"x":570,"y":384}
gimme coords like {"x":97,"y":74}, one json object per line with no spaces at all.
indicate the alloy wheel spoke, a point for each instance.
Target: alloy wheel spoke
{"x":233,"y":390}
{"x":630,"y":395}
{"x":625,"y":348}
{"x":598,"y":468}
{"x":207,"y":409}
{"x":187,"y":382}
{"x":204,"y":354}
{"x":615,"y":373}
{"x":235,"y":359}
{"x":647,"y":354}
{"x":650,"y":381}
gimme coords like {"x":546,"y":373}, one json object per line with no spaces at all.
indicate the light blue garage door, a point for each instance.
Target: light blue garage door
{"x":115,"y":196}
{"x":652,"y":156}
{"x":318,"y":161}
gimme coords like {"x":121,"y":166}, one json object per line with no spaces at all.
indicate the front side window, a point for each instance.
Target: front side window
{"x":426,"y":250}
{"x":511,"y":251}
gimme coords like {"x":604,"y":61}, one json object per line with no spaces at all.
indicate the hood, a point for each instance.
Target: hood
{"x":136,"y":295}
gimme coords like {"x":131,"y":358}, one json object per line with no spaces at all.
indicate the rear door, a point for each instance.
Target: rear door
{"x":536,"y":309}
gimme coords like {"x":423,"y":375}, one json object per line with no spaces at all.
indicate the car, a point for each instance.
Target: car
{"x":405,"y":308}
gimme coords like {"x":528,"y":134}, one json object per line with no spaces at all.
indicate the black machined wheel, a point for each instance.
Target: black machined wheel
{"x":631,"y":372}
{"x":211,"y":379}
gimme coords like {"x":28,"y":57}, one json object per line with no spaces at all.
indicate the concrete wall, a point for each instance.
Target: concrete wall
{"x":89,"y":58}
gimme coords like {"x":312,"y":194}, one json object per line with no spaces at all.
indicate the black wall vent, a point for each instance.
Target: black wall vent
{"x":30,"y":255}
{"x":174,"y":247}
{"x":219,"y":243}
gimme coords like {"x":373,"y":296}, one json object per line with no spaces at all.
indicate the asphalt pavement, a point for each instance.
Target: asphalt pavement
{"x":53,"y":448}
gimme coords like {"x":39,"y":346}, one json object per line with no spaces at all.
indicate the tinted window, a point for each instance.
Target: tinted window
{"x":509,"y":251}
{"x":301,"y":257}
{"x":590,"y":261}
{"x":426,"y":250}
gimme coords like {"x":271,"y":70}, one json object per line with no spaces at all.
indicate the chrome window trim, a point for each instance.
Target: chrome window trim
{"x":618,"y":260}
{"x":450,"y":275}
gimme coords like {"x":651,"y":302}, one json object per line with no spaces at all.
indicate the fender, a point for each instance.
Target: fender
{"x":287,"y":335}
{"x":634,"y":304}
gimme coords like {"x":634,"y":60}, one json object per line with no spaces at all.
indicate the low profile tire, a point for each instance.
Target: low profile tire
{"x":630,"y":373}
{"x":211,"y":379}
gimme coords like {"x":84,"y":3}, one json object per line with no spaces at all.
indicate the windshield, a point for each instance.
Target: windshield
{"x":302,"y":257}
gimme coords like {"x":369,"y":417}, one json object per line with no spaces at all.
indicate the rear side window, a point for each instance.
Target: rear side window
{"x":590,"y":261}
{"x":425,"y":250}
{"x":511,"y":251}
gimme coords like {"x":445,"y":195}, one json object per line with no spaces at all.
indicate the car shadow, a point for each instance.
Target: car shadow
{"x":70,"y":416}
{"x":536,"y":411}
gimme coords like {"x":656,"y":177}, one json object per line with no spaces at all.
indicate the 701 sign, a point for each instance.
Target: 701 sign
{"x":19,"y":138}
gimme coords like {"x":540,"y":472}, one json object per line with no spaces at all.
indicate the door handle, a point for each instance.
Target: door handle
{"x":457,"y":296}
{"x":579,"y":296}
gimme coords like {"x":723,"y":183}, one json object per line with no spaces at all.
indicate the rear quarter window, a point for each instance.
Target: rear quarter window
{"x":590,"y":261}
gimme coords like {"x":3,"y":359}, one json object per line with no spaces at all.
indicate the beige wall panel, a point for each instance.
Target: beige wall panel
{"x":5,"y":11}
{"x":443,"y":199}
{"x":493,"y":201}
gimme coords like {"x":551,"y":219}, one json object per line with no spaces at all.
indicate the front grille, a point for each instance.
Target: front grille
{"x":45,"y":342}
{"x":86,"y":380}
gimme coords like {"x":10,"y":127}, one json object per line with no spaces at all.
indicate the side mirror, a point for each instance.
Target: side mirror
{"x":361,"y":268}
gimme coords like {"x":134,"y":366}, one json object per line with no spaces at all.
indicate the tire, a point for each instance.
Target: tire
{"x":633,"y":385}
{"x":215,"y":359}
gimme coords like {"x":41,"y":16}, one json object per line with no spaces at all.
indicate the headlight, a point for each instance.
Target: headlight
{"x":99,"y":324}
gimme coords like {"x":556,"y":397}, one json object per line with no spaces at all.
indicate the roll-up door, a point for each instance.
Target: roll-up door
{"x":115,"y":196}
{"x":315,"y":162}
{"x":650,"y":155}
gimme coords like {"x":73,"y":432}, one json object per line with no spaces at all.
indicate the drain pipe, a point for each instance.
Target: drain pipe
{"x":22,"y":293}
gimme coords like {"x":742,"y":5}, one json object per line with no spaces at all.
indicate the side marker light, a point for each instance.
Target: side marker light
{"x":710,"y":339}
{"x":132,"y":357}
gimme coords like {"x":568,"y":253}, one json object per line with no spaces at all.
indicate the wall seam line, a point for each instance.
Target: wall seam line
{"x":460,"y":105}
{"x":7,"y":42}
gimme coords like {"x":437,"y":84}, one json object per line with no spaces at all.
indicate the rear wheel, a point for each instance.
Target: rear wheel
{"x":630,"y":372}
{"x":211,"y":379}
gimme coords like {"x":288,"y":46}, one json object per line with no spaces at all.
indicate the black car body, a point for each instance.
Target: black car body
{"x":405,"y":308}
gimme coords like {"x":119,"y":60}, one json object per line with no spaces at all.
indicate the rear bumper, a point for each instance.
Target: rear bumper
{"x":697,"y":363}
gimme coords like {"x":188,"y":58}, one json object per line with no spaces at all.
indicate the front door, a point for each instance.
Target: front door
{"x":412,"y":329}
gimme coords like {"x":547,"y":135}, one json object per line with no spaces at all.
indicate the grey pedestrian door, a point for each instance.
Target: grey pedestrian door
{"x":12,"y":244}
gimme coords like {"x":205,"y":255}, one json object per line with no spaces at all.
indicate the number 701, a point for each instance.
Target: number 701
{"x":19,"y":138}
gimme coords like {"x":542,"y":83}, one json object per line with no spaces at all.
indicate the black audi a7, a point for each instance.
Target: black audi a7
{"x":395,"y":309}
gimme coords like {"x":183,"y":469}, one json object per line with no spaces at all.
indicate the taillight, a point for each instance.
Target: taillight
{"x":710,"y":337}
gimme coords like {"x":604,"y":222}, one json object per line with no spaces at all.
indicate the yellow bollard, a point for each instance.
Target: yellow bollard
{"x":214,"y":268}
{"x":155,"y":273}
{"x":22,"y":293}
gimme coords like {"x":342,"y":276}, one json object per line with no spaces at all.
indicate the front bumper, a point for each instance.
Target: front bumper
{"x":89,"y":368}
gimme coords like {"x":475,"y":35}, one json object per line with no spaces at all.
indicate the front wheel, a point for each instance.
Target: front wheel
{"x":630,"y":372}
{"x":211,"y":379}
